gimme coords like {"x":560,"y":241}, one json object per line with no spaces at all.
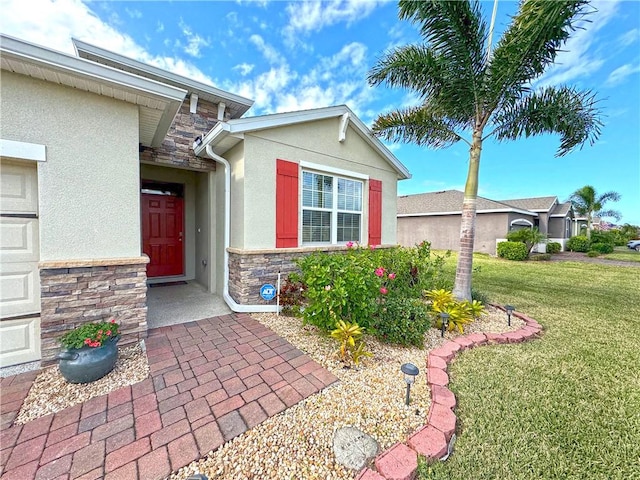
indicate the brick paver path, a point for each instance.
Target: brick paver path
{"x":210,"y":381}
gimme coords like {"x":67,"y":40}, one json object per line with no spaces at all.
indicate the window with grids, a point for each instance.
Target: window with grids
{"x":331,"y":209}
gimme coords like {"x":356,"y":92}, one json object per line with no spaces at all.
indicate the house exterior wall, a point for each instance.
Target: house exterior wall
{"x":91,"y":266}
{"x":314,"y":142}
{"x":89,"y":185}
{"x":443,"y":231}
{"x":177,"y":148}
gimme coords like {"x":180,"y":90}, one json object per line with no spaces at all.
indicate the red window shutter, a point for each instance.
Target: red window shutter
{"x":286,"y":204}
{"x":375,"y":212}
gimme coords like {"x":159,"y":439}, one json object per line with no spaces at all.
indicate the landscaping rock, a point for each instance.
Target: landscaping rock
{"x":353,"y":448}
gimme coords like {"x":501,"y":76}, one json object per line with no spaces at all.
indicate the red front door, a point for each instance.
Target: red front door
{"x":162,"y":232}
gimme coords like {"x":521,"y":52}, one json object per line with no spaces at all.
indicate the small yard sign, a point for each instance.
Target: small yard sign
{"x":268,"y":291}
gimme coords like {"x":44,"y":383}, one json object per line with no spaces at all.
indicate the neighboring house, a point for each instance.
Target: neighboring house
{"x":116,"y":174}
{"x":435,"y":217}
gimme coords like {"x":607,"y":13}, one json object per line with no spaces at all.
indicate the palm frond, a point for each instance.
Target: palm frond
{"x":571,"y":113}
{"x":416,"y":125}
{"x":529,"y":45}
{"x":452,"y":58}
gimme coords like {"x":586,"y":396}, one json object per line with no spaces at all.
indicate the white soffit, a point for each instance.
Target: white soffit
{"x":236,"y":104}
{"x":158,"y":103}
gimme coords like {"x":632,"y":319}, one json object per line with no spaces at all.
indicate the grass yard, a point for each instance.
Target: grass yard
{"x":623,"y":253}
{"x":565,"y":406}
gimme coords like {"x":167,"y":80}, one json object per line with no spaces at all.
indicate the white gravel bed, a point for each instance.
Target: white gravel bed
{"x":51,"y":393}
{"x":297,"y":443}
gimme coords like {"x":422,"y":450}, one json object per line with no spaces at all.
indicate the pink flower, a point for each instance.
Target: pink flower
{"x":113,"y":320}
{"x":379,"y":271}
{"x":392,"y":276}
{"x":383,"y":291}
{"x":372,"y":247}
{"x":349,"y":244}
{"x":327,"y":288}
{"x":87,"y":341}
{"x":108,"y":333}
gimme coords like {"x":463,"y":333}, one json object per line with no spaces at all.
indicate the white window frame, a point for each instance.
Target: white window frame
{"x":335,"y":174}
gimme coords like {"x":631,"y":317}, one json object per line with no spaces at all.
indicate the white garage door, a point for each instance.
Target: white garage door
{"x":19,"y":254}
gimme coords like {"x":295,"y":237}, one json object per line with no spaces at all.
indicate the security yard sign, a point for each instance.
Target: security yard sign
{"x":268,"y":292}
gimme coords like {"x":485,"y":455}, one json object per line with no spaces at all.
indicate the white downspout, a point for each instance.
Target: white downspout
{"x":233,"y":305}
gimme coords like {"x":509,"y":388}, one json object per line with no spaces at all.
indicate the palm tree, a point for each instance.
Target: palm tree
{"x":587,"y":203}
{"x":465,"y":88}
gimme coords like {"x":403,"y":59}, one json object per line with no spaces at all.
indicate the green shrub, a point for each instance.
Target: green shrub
{"x":593,"y":253}
{"x":479,"y":296}
{"x":578,"y":243}
{"x":355,"y":285}
{"x":512,"y":250}
{"x":604,"y":237}
{"x":602,"y":247}
{"x":540,"y":257}
{"x":529,"y":236}
{"x":553,"y":247}
{"x":403,"y":321}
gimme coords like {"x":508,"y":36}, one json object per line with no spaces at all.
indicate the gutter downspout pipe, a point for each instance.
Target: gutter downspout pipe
{"x":233,"y":305}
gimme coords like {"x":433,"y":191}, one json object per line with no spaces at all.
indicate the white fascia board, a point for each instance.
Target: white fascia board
{"x":459,"y":212}
{"x":44,"y":57}
{"x":186,"y":82}
{"x":23,"y":150}
{"x":336,"y":171}
{"x":250,"y":124}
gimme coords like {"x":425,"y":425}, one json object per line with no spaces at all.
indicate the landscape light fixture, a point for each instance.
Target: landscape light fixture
{"x":410,"y":372}
{"x":444,"y":320}
{"x":509,"y":310}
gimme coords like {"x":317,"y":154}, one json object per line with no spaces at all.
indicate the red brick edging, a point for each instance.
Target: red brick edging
{"x":400,"y":462}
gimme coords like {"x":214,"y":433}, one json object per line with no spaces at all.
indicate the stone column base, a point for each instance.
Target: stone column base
{"x":74,"y":292}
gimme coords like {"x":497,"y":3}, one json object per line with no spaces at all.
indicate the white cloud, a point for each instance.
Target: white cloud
{"x":621,"y":73}
{"x":629,"y":37}
{"x":244,"y":68}
{"x":578,"y":58}
{"x":133,"y":13}
{"x":194,"y":41}
{"x":270,"y":54}
{"x":309,"y":16}
{"x":53,"y":24}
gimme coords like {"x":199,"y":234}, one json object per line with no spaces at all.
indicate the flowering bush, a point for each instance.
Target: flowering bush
{"x":355,"y":286}
{"x":90,"y":334}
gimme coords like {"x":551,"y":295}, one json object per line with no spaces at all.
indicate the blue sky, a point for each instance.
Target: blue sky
{"x":306,"y":54}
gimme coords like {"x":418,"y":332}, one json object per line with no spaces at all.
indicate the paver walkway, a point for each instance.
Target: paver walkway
{"x":210,"y":381}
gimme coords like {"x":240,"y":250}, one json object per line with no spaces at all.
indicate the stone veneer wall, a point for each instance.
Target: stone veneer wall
{"x":250,"y":269}
{"x":79,"y":291}
{"x":176,"y":149}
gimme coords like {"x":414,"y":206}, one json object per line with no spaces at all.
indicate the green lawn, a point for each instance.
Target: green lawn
{"x":623,"y":253}
{"x":565,"y":406}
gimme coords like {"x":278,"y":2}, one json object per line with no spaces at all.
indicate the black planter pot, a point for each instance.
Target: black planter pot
{"x":88,"y":364}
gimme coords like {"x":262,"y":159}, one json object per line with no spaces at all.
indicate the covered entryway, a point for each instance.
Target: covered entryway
{"x":19,"y":255}
{"x":163,"y":228}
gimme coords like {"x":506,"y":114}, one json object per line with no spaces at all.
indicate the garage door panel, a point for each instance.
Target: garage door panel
{"x":19,"y":240}
{"x":19,"y":341}
{"x":19,"y":192}
{"x":20,"y":287}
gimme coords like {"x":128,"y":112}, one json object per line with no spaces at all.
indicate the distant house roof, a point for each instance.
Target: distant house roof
{"x":449,"y":202}
{"x":225,"y":135}
{"x":237,"y":105}
{"x":561,"y":209}
{"x":534,"y":204}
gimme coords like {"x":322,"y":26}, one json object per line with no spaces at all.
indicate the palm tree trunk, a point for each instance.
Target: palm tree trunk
{"x":462,"y":285}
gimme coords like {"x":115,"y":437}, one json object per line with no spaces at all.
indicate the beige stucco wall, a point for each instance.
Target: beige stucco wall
{"x":443,"y":231}
{"x":254,"y":170}
{"x":89,"y":186}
